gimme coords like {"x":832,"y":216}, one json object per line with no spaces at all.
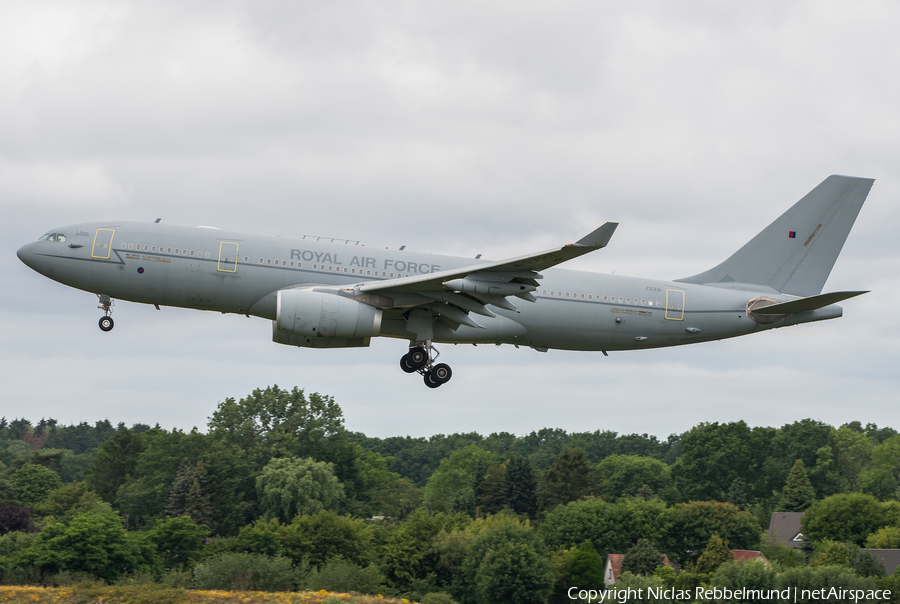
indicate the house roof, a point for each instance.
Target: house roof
{"x":614,"y":564}
{"x":889,"y":558}
{"x":784,"y":527}
{"x":745,"y":555}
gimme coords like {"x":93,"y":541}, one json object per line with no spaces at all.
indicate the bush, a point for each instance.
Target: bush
{"x":343,"y":576}
{"x":437,"y":598}
{"x":245,"y":572}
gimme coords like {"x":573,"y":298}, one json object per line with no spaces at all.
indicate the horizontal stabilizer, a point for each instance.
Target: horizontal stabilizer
{"x":805,"y":304}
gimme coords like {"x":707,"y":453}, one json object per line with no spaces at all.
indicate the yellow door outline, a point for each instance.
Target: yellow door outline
{"x":103,"y":242}
{"x":228,"y":255}
{"x":675,"y":304}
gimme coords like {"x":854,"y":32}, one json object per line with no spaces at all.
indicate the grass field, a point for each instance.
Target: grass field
{"x":110,"y":594}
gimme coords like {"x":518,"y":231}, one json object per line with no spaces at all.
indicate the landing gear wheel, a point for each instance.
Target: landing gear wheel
{"x":417,"y":358}
{"x":430,"y":381}
{"x":404,"y":364}
{"x":106,"y":323}
{"x":441,"y":373}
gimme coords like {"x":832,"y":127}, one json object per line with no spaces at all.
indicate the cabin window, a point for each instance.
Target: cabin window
{"x":292,"y":264}
{"x":184,"y":252}
{"x":153,"y":249}
{"x":605,"y":298}
{"x":276,"y":263}
{"x":192,"y":252}
{"x":392,"y":275}
{"x":146,"y":248}
{"x":627,"y":300}
{"x":331,"y":268}
{"x":590,"y":297}
{"x":658,"y":303}
{"x":245,"y":257}
{"x":567,"y":294}
{"x":268,"y":261}
{"x":582,"y":296}
{"x":368,"y":272}
{"x":345,"y":269}
{"x":207,"y":255}
{"x":124,"y":246}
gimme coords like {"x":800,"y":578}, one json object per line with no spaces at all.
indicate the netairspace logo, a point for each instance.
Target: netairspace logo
{"x":622,"y":596}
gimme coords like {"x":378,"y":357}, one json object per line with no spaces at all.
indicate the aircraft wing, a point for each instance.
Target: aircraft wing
{"x":522,"y":267}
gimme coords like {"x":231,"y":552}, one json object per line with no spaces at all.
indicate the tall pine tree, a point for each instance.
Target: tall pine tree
{"x":518,"y":487}
{"x":568,"y":479}
{"x":798,"y":492}
{"x":189,"y":496}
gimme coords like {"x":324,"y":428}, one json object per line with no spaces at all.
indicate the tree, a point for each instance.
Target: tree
{"x":94,"y":543}
{"x":325,"y":535}
{"x":507,"y":562}
{"x":285,"y":423}
{"x":831,"y":553}
{"x":178,"y":540}
{"x":32,"y":483}
{"x":518,"y":486}
{"x":642,"y":559}
{"x":688,"y":527}
{"x":115,"y":464}
{"x":798,"y":493}
{"x":610,"y":527}
{"x":14,"y":517}
{"x":406,"y":547}
{"x":188,"y":496}
{"x":852,"y":452}
{"x":625,"y":475}
{"x":488,"y":489}
{"x":455,"y":476}
{"x":713,"y":455}
{"x":567,"y":479}
{"x":882,"y":478}
{"x":887,"y":537}
{"x":850,"y":517}
{"x":513,"y":572}
{"x":73,"y":498}
{"x":715,"y":554}
{"x":288,"y":487}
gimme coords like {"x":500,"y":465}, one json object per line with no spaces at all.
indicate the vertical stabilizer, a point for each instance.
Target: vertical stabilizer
{"x":795,"y":254}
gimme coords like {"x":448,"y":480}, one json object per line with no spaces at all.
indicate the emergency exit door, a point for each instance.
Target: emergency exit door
{"x":674,"y":305}
{"x":228,"y":255}
{"x":102,"y":243}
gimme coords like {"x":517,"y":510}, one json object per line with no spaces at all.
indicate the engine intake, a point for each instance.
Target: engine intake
{"x":301,"y":312}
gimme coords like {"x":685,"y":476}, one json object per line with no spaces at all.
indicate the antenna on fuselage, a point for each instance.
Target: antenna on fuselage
{"x":157,"y":221}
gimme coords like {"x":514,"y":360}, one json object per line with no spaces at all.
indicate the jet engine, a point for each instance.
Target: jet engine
{"x":323,"y":320}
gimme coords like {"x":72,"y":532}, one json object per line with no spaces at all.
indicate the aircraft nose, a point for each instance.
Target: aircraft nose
{"x":26,"y":254}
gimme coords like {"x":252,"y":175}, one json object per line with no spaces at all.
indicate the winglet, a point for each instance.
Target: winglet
{"x":599,"y":237}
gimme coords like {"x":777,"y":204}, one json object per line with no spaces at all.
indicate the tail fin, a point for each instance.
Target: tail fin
{"x":795,"y":254}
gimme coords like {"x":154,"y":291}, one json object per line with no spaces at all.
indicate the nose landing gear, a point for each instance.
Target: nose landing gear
{"x":420,"y":360}
{"x":106,"y":304}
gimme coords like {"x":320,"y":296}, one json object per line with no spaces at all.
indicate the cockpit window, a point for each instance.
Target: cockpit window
{"x":58,"y":237}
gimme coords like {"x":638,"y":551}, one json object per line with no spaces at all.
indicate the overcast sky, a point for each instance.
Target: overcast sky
{"x":498,"y":128}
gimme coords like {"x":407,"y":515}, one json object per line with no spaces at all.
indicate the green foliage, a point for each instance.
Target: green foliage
{"x":833,"y":553}
{"x":513,"y":571}
{"x":32,"y":483}
{"x":715,"y":555}
{"x":628,"y":580}
{"x":507,"y":562}
{"x":189,"y":494}
{"x":850,"y":517}
{"x":343,"y":576}
{"x":71,"y":498}
{"x":586,"y":567}
{"x":488,"y":485}
{"x":625,"y":475}
{"x":752,"y":575}
{"x":285,"y":423}
{"x":94,"y":542}
{"x":610,"y":527}
{"x":784,"y":555}
{"x":115,"y":464}
{"x":178,"y":541}
{"x":261,"y":537}
{"x":798,"y":492}
{"x":882,"y":478}
{"x":437,"y":597}
{"x":642,"y":559}
{"x":325,"y":535}
{"x":852,"y":453}
{"x":245,"y":572}
{"x":406,"y":547}
{"x":518,"y":487}
{"x":567,"y":479}
{"x":381,"y":492}
{"x":714,"y":455}
{"x":288,"y":487}
{"x":455,"y":476}
{"x":887,"y":537}
{"x":689,"y":526}
{"x":821,"y":577}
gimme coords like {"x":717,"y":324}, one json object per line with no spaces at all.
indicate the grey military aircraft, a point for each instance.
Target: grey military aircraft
{"x":326,"y":293}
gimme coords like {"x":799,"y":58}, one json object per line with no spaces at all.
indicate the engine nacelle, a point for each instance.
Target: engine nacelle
{"x":310,"y":314}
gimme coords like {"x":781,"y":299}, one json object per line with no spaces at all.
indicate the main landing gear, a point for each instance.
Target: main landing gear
{"x":106,"y":321}
{"x":419,"y":359}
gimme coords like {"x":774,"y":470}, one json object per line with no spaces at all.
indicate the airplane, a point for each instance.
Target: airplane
{"x":335,"y":293}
